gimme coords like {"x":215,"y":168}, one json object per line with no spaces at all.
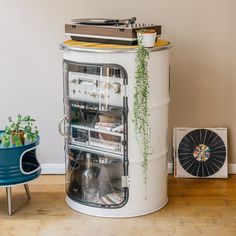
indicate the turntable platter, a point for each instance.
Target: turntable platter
{"x":96,"y":21}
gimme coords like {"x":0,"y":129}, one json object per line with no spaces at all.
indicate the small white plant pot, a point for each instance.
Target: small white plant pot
{"x":148,"y":39}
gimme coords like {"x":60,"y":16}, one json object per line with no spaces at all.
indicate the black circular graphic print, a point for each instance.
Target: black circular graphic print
{"x":202,"y":152}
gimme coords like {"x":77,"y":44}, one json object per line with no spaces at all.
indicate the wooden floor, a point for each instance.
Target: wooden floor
{"x":196,"y":207}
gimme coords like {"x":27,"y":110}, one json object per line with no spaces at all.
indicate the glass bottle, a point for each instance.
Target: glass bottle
{"x":89,"y":181}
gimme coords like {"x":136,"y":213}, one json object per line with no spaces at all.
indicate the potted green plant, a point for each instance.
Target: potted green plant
{"x":147,"y":37}
{"x":16,"y":132}
{"x":140,"y":105}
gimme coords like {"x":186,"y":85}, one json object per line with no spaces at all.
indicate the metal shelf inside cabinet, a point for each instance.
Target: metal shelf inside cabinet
{"x":96,"y":148}
{"x":101,"y":160}
{"x":97,"y":130}
{"x":96,"y":151}
{"x":92,"y":106}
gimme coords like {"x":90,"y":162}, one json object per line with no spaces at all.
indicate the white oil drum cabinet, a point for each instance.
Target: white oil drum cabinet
{"x":104,"y":172}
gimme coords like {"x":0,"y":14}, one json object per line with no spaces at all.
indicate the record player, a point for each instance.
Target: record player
{"x":112,"y":31}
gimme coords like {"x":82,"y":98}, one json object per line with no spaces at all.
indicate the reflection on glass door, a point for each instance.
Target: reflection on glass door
{"x":95,"y":178}
{"x":96,"y":108}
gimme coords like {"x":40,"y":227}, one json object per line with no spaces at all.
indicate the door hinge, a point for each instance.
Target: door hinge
{"x":125,"y":181}
{"x":125,"y":90}
{"x":65,"y":67}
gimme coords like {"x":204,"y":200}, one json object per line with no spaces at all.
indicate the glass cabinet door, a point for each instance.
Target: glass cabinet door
{"x":95,"y":178}
{"x":96,"y":108}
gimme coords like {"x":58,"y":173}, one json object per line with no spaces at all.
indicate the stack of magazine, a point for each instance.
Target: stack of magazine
{"x":114,"y":127}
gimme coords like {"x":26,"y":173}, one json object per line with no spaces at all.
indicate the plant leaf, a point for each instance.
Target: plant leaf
{"x":6,"y":142}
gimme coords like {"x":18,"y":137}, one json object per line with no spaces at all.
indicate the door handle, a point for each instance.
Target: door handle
{"x":63,"y":131}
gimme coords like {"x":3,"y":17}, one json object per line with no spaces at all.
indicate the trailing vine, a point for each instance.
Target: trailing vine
{"x":140,"y":105}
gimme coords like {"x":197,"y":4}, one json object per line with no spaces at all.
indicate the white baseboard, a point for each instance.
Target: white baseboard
{"x":231,"y":168}
{"x":59,"y":169}
{"x":170,"y":168}
{"x":53,"y":169}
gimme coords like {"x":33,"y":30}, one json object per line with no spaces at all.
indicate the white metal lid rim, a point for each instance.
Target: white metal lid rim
{"x":64,"y":47}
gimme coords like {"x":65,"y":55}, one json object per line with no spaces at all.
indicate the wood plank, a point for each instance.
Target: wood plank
{"x":196,"y":207}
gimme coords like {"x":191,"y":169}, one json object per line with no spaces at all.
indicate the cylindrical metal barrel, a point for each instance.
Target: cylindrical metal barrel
{"x":152,"y":195}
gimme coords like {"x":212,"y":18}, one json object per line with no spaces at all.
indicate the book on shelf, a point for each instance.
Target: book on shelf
{"x":107,"y":126}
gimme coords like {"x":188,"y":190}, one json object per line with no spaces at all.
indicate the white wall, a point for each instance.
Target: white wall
{"x":203,"y":60}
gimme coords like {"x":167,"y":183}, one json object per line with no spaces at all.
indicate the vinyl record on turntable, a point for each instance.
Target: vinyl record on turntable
{"x":95,"y":21}
{"x":103,"y":21}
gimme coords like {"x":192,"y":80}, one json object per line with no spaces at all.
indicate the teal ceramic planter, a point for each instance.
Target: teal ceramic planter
{"x":18,"y":165}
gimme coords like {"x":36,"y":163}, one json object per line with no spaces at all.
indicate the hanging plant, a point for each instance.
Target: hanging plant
{"x":140,"y":105}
